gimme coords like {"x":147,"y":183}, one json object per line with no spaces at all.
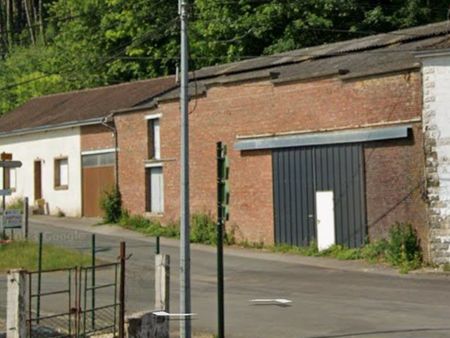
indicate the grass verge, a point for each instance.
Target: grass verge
{"x":22,"y":254}
{"x":203,"y":228}
{"x":401,"y":249}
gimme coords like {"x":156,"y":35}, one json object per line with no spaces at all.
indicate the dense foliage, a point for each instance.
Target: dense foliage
{"x":49,"y":46}
{"x":111,"y":205}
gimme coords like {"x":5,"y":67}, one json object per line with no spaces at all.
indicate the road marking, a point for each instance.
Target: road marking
{"x":166,"y":314}
{"x":277,"y":300}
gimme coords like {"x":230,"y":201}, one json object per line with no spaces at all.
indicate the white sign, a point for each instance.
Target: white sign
{"x":12,"y":219}
{"x":5,"y":192}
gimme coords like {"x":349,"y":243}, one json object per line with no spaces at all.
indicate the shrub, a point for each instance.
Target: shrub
{"x":111,"y":204}
{"x":203,"y":229}
{"x":403,"y":248}
{"x":15,"y":203}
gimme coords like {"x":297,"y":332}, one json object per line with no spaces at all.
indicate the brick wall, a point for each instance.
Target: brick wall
{"x":259,"y":108}
{"x":395,"y":186}
{"x":132,"y":141}
{"x":96,"y":137}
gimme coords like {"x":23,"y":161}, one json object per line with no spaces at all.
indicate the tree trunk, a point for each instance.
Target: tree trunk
{"x":9,"y":32}
{"x":41,"y":22}
{"x":30,"y":26}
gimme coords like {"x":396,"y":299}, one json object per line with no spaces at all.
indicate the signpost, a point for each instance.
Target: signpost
{"x":10,"y":219}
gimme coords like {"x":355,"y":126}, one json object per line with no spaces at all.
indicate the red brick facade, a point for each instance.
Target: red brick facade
{"x":393,"y":169}
{"x":96,"y":137}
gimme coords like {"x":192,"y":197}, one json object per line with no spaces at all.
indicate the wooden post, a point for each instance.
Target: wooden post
{"x":162,"y":282}
{"x":16,"y":319}
{"x":25,"y":218}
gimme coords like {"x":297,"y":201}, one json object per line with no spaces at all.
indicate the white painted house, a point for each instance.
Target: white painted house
{"x":50,"y":169}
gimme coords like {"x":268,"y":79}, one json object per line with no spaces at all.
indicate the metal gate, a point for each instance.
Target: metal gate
{"x":298,"y":173}
{"x":63,"y":303}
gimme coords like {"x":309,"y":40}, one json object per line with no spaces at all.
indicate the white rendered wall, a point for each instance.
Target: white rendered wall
{"x":436,"y":127}
{"x":47,"y":146}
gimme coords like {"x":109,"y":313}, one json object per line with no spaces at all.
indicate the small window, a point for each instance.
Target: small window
{"x":61,"y":173}
{"x":154,"y":190}
{"x":99,"y":160}
{"x":154,"y":144}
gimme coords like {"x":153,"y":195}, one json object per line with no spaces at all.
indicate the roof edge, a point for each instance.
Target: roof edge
{"x":71,"y":124}
{"x":432,"y":53}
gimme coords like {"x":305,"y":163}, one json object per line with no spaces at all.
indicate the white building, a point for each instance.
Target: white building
{"x":67,"y":144}
{"x":50,"y":169}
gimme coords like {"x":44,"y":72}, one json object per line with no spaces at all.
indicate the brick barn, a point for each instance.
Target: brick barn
{"x":344,"y":118}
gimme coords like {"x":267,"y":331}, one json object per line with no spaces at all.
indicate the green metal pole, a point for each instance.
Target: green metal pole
{"x":70,"y":303}
{"x":85,"y":301}
{"x":93,"y":283}
{"x":38,"y":300}
{"x":115,"y":300}
{"x":157,"y":245}
{"x":4,"y":203}
{"x":220,"y":219}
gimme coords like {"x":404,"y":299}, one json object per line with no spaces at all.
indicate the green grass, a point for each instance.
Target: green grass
{"x":21,"y":254}
{"x":203,"y":228}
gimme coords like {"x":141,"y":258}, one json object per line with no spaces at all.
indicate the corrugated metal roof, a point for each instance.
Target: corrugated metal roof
{"x":375,"y":42}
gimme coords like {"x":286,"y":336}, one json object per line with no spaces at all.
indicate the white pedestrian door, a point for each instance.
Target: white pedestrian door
{"x":157,"y":190}
{"x":325,"y":219}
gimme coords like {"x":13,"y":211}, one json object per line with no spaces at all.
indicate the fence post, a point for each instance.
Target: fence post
{"x":122,"y":290}
{"x":25,"y":217}
{"x":93,"y":251}
{"x":162,"y":282}
{"x":16,"y":318}
{"x":38,"y":300}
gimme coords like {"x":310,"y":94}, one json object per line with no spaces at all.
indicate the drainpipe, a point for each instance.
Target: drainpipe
{"x":116,"y":146}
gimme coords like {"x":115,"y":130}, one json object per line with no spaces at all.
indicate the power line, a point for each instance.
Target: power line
{"x":120,"y":49}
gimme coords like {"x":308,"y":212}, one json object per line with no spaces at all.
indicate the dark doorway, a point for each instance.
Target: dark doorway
{"x":37,"y":180}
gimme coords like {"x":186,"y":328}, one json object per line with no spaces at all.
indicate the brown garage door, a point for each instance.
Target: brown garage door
{"x":98,"y":177}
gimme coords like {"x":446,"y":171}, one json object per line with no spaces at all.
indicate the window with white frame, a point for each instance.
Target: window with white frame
{"x":153,"y":137}
{"x":61,"y":173}
{"x":154,"y":189}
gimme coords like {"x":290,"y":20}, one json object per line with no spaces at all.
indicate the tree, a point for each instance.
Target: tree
{"x":48,"y":46}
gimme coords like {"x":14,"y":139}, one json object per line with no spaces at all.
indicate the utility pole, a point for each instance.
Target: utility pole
{"x":185,"y":259}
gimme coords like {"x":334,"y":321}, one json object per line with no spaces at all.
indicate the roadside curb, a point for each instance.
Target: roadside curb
{"x":91,"y":226}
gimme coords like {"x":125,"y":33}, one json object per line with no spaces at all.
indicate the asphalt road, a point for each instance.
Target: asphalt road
{"x":329,"y":299}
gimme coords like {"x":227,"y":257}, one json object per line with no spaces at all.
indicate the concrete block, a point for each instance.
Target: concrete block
{"x":16,"y":302}
{"x":146,"y":325}
{"x":162,"y":282}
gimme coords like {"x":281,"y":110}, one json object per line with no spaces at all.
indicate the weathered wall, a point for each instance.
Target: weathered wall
{"x":436,"y":127}
{"x":46,"y":146}
{"x":262,"y":108}
{"x":96,"y":137}
{"x":395,"y":185}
